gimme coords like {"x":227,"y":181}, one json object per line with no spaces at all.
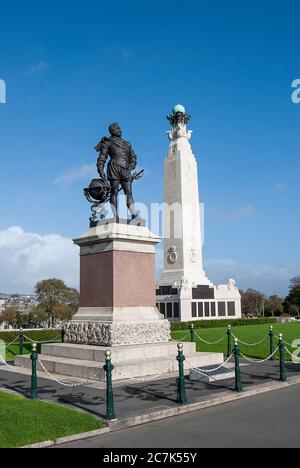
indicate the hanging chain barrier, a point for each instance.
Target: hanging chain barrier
{"x":208,"y":342}
{"x":212,"y":343}
{"x":21,"y":335}
{"x":260,"y":361}
{"x":251,"y":344}
{"x":142,"y":379}
{"x":58,"y":337}
{"x":199,"y":372}
{"x":209,"y":371}
{"x":181,"y":339}
{"x":64,"y":384}
{"x":12,"y":342}
{"x":287,"y":343}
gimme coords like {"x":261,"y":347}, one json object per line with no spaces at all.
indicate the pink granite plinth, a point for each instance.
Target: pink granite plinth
{"x":117,"y":288}
{"x":117,"y":279}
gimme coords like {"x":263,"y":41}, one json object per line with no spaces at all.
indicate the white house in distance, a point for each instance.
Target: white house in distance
{"x":184,"y":293}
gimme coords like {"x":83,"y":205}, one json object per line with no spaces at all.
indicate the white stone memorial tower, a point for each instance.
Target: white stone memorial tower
{"x":184,"y":292}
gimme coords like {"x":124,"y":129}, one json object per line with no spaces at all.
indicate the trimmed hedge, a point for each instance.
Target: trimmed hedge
{"x":36,"y":335}
{"x":221,"y":323}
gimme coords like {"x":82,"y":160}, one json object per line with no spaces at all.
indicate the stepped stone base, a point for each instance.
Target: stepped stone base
{"x":86,"y":362}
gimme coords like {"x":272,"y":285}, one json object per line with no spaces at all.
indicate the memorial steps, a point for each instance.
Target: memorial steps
{"x":134,"y":361}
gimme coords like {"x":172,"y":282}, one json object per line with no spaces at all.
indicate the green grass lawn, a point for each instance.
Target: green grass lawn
{"x":26,"y":422}
{"x":248,"y":334}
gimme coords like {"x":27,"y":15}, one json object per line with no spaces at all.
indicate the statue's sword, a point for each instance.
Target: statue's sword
{"x":136,"y":176}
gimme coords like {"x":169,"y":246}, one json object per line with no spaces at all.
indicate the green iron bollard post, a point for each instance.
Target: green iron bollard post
{"x":238,"y":383}
{"x":34,"y":358}
{"x":271,"y":335}
{"x":192,"y":330}
{"x":21,"y":338}
{"x":110,"y":409}
{"x":229,"y":334}
{"x":63,"y":334}
{"x":281,"y":345}
{"x":181,"y":394}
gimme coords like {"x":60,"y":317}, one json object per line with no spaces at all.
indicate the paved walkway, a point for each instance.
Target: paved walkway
{"x":264,"y":421}
{"x":138,"y":399}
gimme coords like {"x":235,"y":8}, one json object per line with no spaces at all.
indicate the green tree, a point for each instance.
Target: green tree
{"x":63,"y":313}
{"x":274,"y":306}
{"x":20,"y":319}
{"x":253,"y":302}
{"x":292,"y":302}
{"x":294,"y":310}
{"x":52,"y":293}
{"x":9,"y":316}
{"x":36,"y":316}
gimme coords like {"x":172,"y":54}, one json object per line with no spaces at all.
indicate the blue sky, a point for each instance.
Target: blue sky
{"x":72,"y":68}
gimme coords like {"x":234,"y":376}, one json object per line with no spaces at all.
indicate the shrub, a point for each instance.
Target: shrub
{"x":36,"y":335}
{"x":221,"y":323}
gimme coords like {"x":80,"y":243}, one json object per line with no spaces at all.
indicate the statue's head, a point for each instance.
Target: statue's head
{"x":115,"y":130}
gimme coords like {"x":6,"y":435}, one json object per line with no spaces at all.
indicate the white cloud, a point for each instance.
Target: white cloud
{"x":270,"y":279}
{"x":26,"y":258}
{"x":247,"y":211}
{"x":86,"y":171}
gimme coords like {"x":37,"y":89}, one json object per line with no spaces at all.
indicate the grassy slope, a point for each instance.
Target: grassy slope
{"x":248,"y":334}
{"x":25,"y":422}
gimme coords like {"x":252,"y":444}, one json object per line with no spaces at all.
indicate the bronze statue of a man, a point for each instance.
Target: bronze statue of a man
{"x":123,"y":160}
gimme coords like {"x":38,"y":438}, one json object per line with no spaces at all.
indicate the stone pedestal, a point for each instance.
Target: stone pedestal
{"x":117,"y":288}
